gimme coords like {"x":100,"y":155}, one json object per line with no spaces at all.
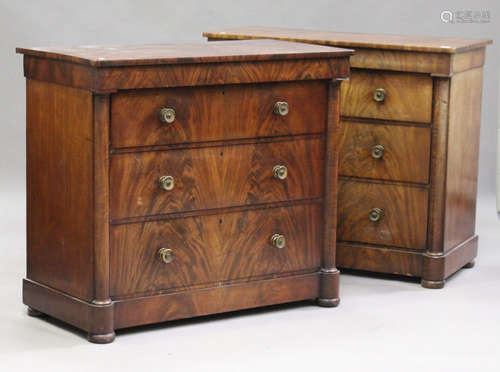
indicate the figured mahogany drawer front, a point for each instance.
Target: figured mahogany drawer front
{"x":387,"y":95}
{"x":213,"y":248}
{"x":215,"y":177}
{"x":389,"y":152}
{"x":382,"y":214}
{"x":197,"y":114}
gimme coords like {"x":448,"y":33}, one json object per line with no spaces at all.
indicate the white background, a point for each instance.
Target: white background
{"x":381,"y":324}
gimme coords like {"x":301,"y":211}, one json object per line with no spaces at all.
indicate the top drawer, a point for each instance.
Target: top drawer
{"x":387,"y":95}
{"x":213,"y":113}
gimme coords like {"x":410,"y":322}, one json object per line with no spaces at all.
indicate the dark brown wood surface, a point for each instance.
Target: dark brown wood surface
{"x":215,"y":177}
{"x":408,"y":96}
{"x":214,"y":249}
{"x":404,"y":220}
{"x":439,"y":142}
{"x":402,"y":160}
{"x":217,"y":112}
{"x":109,"y":79}
{"x":353,"y":40}
{"x":93,"y":245}
{"x":329,"y":274}
{"x":463,"y":155}
{"x":436,"y":64}
{"x":59,"y":187}
{"x":100,"y":254}
{"x":186,"y":304}
{"x":166,"y":54}
{"x":380,"y":259}
{"x":432,"y":84}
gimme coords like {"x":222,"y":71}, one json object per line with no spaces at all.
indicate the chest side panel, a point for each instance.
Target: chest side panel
{"x":59,"y":186}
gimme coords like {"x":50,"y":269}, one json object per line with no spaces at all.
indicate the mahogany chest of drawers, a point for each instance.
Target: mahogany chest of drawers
{"x":410,"y":118}
{"x":166,"y":182}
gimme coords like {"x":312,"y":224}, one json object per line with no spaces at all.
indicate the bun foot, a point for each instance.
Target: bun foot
{"x":328,"y":302}
{"x":34,"y":313}
{"x":432,"y":284}
{"x":105,"y":338}
{"x":470,"y":265}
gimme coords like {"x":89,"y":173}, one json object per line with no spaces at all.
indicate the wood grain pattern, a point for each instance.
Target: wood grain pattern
{"x":170,"y":306}
{"x":400,"y":60}
{"x":406,"y":154}
{"x":463,"y":156}
{"x":329,"y":279}
{"x":215,"y":177}
{"x":354,"y":40}
{"x":437,"y":64}
{"x":438,"y":165}
{"x":100,"y":197}
{"x":59,"y":187}
{"x":442,"y":65}
{"x":214,"y":249}
{"x":437,"y":268}
{"x":468,"y":60}
{"x":109,"y":79}
{"x":409,"y":96}
{"x":217,"y":113}
{"x":404,"y":223}
{"x":168,"y":54}
{"x":96,"y":319}
{"x":379,"y":259}
{"x":93,"y":242}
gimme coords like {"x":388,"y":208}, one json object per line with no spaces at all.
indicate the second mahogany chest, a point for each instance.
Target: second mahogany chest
{"x":168,"y":181}
{"x":409,"y":147}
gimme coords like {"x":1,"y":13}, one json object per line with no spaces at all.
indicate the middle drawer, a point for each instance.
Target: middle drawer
{"x":215,"y":177}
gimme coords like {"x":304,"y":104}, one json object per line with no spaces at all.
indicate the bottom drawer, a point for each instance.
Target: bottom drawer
{"x":213,"y":249}
{"x":382,"y":214}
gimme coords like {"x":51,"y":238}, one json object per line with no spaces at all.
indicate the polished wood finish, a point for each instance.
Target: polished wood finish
{"x":359,"y":138}
{"x":353,"y":40}
{"x":185,"y":54}
{"x":244,"y":172}
{"x":463,"y":156}
{"x":95,"y":319}
{"x":329,"y":274}
{"x":59,"y":187}
{"x":404,"y":220}
{"x":195,"y":65}
{"x":106,"y":80}
{"x":186,"y":304}
{"x":100,"y":254}
{"x":217,"y":112}
{"x":436,"y":86}
{"x":382,"y":259}
{"x":408,"y":96}
{"x":98,"y":218}
{"x":219,"y":248}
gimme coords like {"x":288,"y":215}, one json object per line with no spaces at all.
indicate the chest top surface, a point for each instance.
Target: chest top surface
{"x":235,"y":51}
{"x":354,"y":40}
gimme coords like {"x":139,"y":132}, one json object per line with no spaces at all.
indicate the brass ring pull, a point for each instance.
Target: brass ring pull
{"x":166,"y":255}
{"x":167,"y":115}
{"x":378,"y":151}
{"x":280,"y":172}
{"x":166,"y":182}
{"x":375,"y":214}
{"x":278,"y":241}
{"x":281,"y":108}
{"x":379,"y":95}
